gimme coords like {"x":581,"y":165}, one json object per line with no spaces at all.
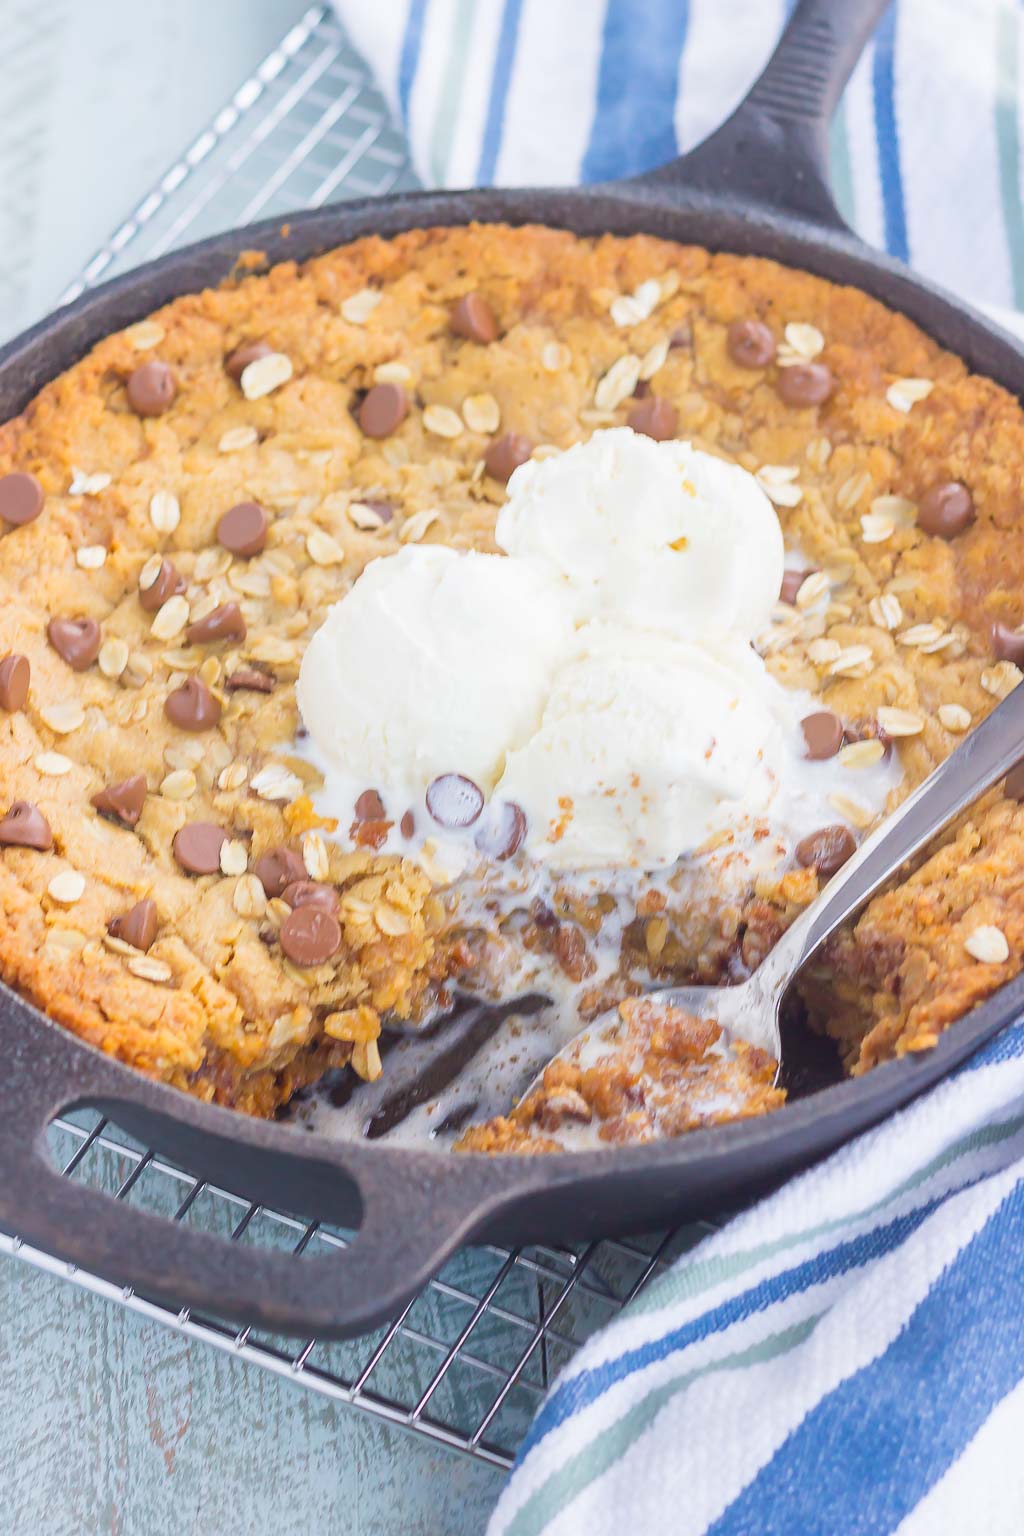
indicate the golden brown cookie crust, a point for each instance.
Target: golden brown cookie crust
{"x":231,"y":1020}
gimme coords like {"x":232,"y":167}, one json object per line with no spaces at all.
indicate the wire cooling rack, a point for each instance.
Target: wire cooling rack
{"x":309,"y":127}
{"x":469,"y":1360}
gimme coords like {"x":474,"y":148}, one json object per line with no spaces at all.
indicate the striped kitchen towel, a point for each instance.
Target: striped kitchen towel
{"x":925,"y":150}
{"x":848,"y":1355}
{"x":845,"y":1357}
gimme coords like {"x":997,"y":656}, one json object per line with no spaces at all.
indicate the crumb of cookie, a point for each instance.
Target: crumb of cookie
{"x":505,"y":1134}
{"x":659,"y":1072}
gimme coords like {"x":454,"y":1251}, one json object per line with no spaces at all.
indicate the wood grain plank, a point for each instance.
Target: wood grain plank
{"x":113,"y":1424}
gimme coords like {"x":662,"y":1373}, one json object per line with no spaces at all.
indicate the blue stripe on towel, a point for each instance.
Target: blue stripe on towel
{"x":409,"y":57}
{"x":1007,"y":1046}
{"x":585,"y":1388}
{"x":883,"y":85}
{"x":504,"y":59}
{"x":637,"y":85}
{"x":870,"y":1451}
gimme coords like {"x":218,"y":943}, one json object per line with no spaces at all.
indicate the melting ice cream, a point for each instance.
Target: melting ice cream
{"x":598,"y":675}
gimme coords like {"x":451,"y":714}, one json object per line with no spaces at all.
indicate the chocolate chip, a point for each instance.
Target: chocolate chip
{"x":750,"y":344}
{"x":826,"y":850}
{"x":682,"y":336}
{"x":823,"y":733}
{"x":310,"y":893}
{"x":946,"y":510}
{"x":654,"y":418}
{"x":25,"y":826}
{"x":197,"y":847}
{"x":151,"y":389}
{"x":76,"y":641}
{"x":370,"y":806}
{"x":238,"y":361}
{"x":250,"y":679}
{"x":473,"y":318}
{"x":21,"y":498}
{"x":506,"y":454}
{"x":225,"y":622}
{"x":243,"y":528}
{"x":407,"y":825}
{"x":168,"y":583}
{"x":1013,"y":785}
{"x":503,"y":833}
{"x":384,"y":408}
{"x":792,"y":581}
{"x":454,"y":801}
{"x":137,"y":926}
{"x":192,"y":707}
{"x":15,"y":676}
{"x":1008,"y":644}
{"x":804,"y":384}
{"x":123,"y":800}
{"x":277,"y":868}
{"x":309,"y":936}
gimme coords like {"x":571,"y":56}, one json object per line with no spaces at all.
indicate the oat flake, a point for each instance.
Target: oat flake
{"x":905,"y":393}
{"x":236,"y":438}
{"x":442,"y":421}
{"x":618,"y":383}
{"x":862,"y":754}
{"x":265,"y":374}
{"x":899,"y":722}
{"x":358,"y":307}
{"x":67,"y":887}
{"x":988,"y":944}
{"x":164,"y":511}
{"x":954,"y":717}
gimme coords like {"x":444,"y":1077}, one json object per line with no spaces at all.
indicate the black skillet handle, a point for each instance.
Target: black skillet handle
{"x":773,"y":151}
{"x":414,"y":1211}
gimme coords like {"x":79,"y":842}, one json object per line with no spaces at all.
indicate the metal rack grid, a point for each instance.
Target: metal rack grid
{"x":469,"y":1360}
{"x":309,"y":127}
{"x":466,"y":1363}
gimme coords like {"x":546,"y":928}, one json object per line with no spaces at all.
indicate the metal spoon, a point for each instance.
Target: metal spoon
{"x":751,"y":1011}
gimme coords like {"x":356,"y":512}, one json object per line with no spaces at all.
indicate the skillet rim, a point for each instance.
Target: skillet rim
{"x":833,"y":253}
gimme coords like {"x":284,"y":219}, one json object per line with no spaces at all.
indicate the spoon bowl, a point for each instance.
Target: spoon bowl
{"x":750,"y":1011}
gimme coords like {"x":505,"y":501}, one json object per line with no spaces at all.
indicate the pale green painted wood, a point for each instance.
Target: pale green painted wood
{"x":97,"y":99}
{"x":112,"y":1424}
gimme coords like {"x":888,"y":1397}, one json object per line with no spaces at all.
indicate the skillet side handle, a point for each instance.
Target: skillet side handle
{"x":414,"y":1212}
{"x":772,"y":153}
{"x":409,"y":1229}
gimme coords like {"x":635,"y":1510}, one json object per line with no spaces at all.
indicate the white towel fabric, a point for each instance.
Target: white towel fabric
{"x":848,"y":1355}
{"x":925,"y":150}
{"x":844,"y":1357}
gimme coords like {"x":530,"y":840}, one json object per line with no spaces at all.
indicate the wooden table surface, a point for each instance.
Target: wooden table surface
{"x":111,"y":1423}
{"x":108,"y":1422}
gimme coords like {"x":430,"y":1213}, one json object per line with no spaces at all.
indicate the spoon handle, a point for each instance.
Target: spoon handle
{"x":982,"y":759}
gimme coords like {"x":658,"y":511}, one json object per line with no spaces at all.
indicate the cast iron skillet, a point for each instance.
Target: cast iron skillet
{"x":756,"y":186}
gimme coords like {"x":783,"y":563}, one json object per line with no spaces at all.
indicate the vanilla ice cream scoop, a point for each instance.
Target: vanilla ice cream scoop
{"x":434,"y":662}
{"x":596,"y":682}
{"x":659,"y":535}
{"x":648,"y":744}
